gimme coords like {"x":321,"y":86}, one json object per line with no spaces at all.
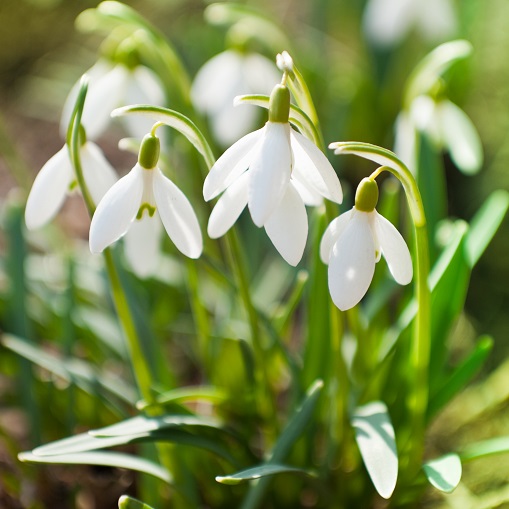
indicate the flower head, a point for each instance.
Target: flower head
{"x":225,"y":76}
{"x":57,"y":179}
{"x":354,"y":242}
{"x":143,"y":194}
{"x":275,"y":171}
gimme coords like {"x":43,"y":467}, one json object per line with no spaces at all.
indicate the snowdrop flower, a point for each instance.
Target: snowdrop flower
{"x":57,"y":179}
{"x":222,"y":78}
{"x":354,"y":242}
{"x":446,"y":125}
{"x":387,"y":22}
{"x":112,"y":85}
{"x":133,"y":202}
{"x":275,"y":171}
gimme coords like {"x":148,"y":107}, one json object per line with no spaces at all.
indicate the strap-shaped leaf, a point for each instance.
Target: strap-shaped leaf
{"x":109,"y":459}
{"x":260,"y":471}
{"x":376,"y":440}
{"x":297,"y":116}
{"x":127,"y":502}
{"x":444,"y":473}
{"x":173,"y":119}
{"x":477,"y":450}
{"x":184,"y":394}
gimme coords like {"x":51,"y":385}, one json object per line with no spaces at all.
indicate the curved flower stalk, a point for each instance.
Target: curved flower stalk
{"x":113,"y":85}
{"x":354,"y":242}
{"x":134,"y":200}
{"x":387,"y":22}
{"x":222,"y":78}
{"x":57,"y":179}
{"x":275,"y":171}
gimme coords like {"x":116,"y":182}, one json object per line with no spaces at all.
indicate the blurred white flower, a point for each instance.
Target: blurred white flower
{"x":57,"y":179}
{"x":351,"y":246}
{"x":387,"y":22}
{"x":276,"y":171}
{"x":222,"y":78}
{"x":112,"y":85}
{"x":446,"y":125}
{"x":133,"y":202}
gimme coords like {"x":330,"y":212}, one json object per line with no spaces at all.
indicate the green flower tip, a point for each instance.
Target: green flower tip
{"x":279,"y":105}
{"x":366,"y":196}
{"x":149,"y":152}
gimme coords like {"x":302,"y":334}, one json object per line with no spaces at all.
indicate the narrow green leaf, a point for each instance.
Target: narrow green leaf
{"x":83,"y":374}
{"x":185,"y":394}
{"x":127,"y":502}
{"x":376,"y":440}
{"x":260,"y":471}
{"x":444,"y":473}
{"x":173,"y":119}
{"x":109,"y":459}
{"x":485,"y":224}
{"x":297,"y":116}
{"x":477,"y":450}
{"x":461,"y":375}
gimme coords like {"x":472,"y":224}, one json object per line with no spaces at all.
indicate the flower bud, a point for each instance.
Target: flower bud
{"x":149,"y":152}
{"x":279,"y":105}
{"x":366,"y":196}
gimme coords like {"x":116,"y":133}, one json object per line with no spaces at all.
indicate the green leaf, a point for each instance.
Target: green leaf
{"x":444,"y":473}
{"x":477,"y":450}
{"x":173,"y":119}
{"x":109,"y":459}
{"x":297,"y":116}
{"x":376,"y":440}
{"x":485,"y":224}
{"x":127,"y":502}
{"x":258,"y":472}
{"x":73,"y":370}
{"x":461,"y":375}
{"x":185,"y":394}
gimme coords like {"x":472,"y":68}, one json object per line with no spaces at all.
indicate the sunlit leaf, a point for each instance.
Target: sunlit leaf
{"x":499,"y":445}
{"x":185,"y":394}
{"x":375,"y":437}
{"x":127,"y":502}
{"x":444,"y":473}
{"x":265,"y":470}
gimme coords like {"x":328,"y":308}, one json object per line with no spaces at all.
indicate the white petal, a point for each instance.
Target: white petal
{"x":423,"y":113}
{"x":177,"y":215}
{"x":98,"y":173}
{"x":141,"y":244}
{"x":231,"y":165}
{"x":270,"y":172}
{"x":49,"y":190}
{"x":436,"y":19}
{"x":116,"y":211}
{"x":261,"y":74}
{"x":406,"y":141}
{"x":332,"y":234}
{"x":394,"y":249}
{"x":313,"y":167}
{"x":229,"y":207}
{"x":352,"y":263}
{"x":287,"y":227}
{"x":460,"y":138}
{"x":230,"y":123}
{"x":308,"y":194}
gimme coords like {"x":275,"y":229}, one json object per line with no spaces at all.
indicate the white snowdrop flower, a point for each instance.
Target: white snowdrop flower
{"x":222,"y":78}
{"x":138,"y":196}
{"x":355,"y":241}
{"x":284,"y":62}
{"x":112,"y":85}
{"x":387,"y":22}
{"x":446,"y":125}
{"x":275,"y":171}
{"x":57,"y":179}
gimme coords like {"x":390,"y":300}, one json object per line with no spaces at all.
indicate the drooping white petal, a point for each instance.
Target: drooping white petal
{"x":229,"y":207}
{"x":287,"y":227}
{"x":332,"y":234}
{"x":141,"y":244}
{"x":405,"y":141}
{"x":231,"y":165}
{"x":230,"y":122}
{"x":352,"y":262}
{"x":394,"y":249}
{"x":261,"y":74}
{"x":104,"y":95}
{"x":308,"y":194}
{"x":436,"y":19}
{"x":177,"y":215}
{"x":98,"y":173}
{"x":423,"y":113}
{"x":270,"y":172}
{"x":313,"y":167}
{"x":460,"y":138}
{"x":49,"y":190}
{"x":116,"y":211}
